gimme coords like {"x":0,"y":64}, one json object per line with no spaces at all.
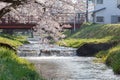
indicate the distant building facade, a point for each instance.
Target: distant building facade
{"x":106,"y":11}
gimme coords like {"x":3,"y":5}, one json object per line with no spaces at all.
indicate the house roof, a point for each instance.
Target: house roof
{"x":99,"y":10}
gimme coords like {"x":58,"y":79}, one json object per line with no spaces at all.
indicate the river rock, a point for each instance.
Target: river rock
{"x":90,"y":49}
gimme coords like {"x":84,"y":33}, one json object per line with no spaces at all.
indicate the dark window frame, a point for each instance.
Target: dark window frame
{"x":99,"y":1}
{"x":99,"y":19}
{"x":118,"y":19}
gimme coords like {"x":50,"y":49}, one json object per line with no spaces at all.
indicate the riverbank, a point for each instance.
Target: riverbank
{"x":97,"y":34}
{"x":11,"y":66}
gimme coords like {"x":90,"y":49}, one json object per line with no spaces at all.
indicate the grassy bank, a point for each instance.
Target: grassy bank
{"x":111,"y":58}
{"x":20,"y":39}
{"x":97,"y":33}
{"x":11,"y":66}
{"x":92,"y":33}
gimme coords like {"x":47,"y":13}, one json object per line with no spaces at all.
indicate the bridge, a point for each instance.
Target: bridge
{"x":28,"y":23}
{"x":22,"y":25}
{"x":70,"y":20}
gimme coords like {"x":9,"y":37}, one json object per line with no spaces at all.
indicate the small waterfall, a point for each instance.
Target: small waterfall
{"x":64,"y":68}
{"x":35,"y":49}
{"x":28,"y":50}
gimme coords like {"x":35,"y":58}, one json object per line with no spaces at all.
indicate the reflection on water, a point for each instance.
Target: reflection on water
{"x":72,"y":68}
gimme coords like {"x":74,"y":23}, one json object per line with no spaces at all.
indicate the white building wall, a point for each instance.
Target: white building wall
{"x":111,"y":9}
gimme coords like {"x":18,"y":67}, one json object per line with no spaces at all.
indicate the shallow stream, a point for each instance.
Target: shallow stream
{"x":72,"y":68}
{"x":65,"y":65}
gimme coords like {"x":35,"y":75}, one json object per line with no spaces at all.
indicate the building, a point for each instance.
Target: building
{"x":106,"y":11}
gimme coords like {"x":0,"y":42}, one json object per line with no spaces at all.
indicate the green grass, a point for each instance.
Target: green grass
{"x":21,"y":39}
{"x":97,"y":33}
{"x":111,"y":57}
{"x":75,"y":43}
{"x":14,"y":68}
{"x":13,"y":43}
{"x":11,"y":66}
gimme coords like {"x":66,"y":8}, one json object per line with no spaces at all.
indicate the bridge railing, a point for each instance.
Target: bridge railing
{"x":71,"y":18}
{"x":8,"y":19}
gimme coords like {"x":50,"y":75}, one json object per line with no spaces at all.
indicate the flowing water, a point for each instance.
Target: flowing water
{"x":66,"y":67}
{"x":72,"y":68}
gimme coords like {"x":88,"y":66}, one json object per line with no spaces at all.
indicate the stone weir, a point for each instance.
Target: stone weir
{"x":35,"y":49}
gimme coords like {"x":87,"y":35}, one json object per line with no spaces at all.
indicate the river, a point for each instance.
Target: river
{"x":72,"y":68}
{"x":63,"y":64}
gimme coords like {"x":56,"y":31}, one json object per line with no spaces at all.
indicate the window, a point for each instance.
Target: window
{"x":118,"y":4}
{"x":100,"y":19}
{"x":118,"y":19}
{"x":99,"y":1}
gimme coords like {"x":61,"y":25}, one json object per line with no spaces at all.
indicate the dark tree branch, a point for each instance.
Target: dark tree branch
{"x":14,"y":4}
{"x":13,"y":1}
{"x":7,"y":9}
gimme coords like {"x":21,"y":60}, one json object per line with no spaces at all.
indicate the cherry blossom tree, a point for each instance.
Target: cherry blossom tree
{"x":45,"y":13}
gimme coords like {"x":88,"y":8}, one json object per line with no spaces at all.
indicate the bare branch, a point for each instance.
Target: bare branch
{"x":6,"y":9}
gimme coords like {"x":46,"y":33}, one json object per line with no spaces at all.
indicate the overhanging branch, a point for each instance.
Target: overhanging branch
{"x":14,"y":4}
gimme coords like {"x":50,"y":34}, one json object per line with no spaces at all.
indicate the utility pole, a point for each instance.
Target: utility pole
{"x":74,"y":19}
{"x":86,"y":10}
